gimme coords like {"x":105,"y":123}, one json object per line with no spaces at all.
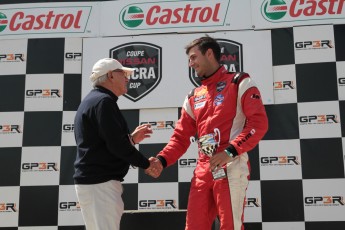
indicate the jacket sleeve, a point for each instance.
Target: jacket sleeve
{"x":256,"y":123}
{"x":114,"y":132}
{"x":180,"y":140}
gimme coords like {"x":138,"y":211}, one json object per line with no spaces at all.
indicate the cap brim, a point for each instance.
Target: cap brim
{"x":128,"y":70}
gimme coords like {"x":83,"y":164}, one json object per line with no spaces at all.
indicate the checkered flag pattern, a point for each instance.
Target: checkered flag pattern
{"x":297,"y":170}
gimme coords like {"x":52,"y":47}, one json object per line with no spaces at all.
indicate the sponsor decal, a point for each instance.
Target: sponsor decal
{"x":146,"y":59}
{"x":199,"y":105}
{"x":324,"y":201}
{"x":318,"y":119}
{"x":199,"y":98}
{"x":132,"y":17}
{"x":318,"y":44}
{"x":3,"y":22}
{"x":157,"y":204}
{"x":279,"y":161}
{"x":252,"y":202}
{"x":181,"y":14}
{"x":231,"y":58}
{"x":341,"y":81}
{"x":245,"y":138}
{"x":8,"y":207}
{"x":275,"y":9}
{"x":12,"y":57}
{"x":201,"y":92}
{"x":283,"y":85}
{"x":300,"y":10}
{"x":43,"y":93}
{"x":255,"y":96}
{"x":220,"y":86}
{"x":68,"y":128}
{"x":69,"y":206}
{"x":39,"y":167}
{"x":218,"y":100}
{"x":73,"y":56}
{"x":10,"y":129}
{"x":44,"y":20}
{"x":160,"y":125}
{"x":187,"y":163}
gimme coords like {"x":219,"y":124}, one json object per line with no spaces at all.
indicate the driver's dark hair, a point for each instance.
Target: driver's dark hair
{"x":203,"y":44}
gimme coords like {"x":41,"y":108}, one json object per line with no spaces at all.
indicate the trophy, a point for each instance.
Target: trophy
{"x":208,"y":143}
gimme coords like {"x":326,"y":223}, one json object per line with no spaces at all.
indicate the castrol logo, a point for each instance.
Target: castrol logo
{"x":300,"y":10}
{"x":152,"y":15}
{"x":3,"y":22}
{"x":44,"y":20}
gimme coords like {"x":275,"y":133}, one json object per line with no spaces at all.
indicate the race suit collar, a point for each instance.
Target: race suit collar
{"x":213,"y":77}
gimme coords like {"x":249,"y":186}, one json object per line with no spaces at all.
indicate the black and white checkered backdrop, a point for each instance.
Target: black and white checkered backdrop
{"x":297,"y":179}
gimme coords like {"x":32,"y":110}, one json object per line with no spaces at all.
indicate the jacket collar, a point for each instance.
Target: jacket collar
{"x":107,"y":91}
{"x":213,"y":77}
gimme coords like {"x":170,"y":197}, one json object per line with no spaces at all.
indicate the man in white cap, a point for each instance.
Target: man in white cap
{"x":105,"y":148}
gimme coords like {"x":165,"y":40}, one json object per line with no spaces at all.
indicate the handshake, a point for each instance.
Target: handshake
{"x":140,"y":133}
{"x":155,"y":169}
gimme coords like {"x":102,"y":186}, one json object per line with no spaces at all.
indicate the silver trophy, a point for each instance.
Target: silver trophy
{"x":208,"y":143}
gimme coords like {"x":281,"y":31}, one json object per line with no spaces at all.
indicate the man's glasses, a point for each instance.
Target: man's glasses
{"x":123,"y":72}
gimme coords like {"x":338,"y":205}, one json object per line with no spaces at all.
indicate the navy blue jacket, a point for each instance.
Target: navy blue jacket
{"x":104,"y":151}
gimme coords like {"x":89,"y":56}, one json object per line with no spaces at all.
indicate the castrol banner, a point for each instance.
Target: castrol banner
{"x":286,"y":13}
{"x":165,"y":16}
{"x":48,"y":20}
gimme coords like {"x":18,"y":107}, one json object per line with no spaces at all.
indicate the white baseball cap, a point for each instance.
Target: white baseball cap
{"x":105,"y":65}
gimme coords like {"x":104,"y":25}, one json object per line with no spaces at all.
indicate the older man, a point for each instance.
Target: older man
{"x":105,"y":148}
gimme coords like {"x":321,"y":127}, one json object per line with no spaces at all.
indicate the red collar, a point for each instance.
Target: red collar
{"x":214,"y":77}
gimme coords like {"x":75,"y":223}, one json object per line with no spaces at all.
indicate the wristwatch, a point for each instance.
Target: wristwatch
{"x":229,"y":153}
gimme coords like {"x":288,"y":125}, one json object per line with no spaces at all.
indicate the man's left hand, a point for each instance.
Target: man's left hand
{"x":141,"y":132}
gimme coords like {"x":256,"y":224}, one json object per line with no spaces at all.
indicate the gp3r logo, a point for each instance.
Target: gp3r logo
{"x":68,"y":127}
{"x":12,"y":57}
{"x":324,"y":200}
{"x":341,"y":81}
{"x":281,"y":160}
{"x":159,"y":125}
{"x":40,"y":166}
{"x":44,"y":93}
{"x":10,"y":129}
{"x":283,"y":85}
{"x":8,"y":207}
{"x":70,"y":56}
{"x":319,"y":44}
{"x":252,"y":202}
{"x":157,"y":204}
{"x":318,"y":119}
{"x":64,"y":206}
{"x":187,"y":163}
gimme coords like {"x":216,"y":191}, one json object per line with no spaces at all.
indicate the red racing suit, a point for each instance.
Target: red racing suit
{"x":231,"y":103}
